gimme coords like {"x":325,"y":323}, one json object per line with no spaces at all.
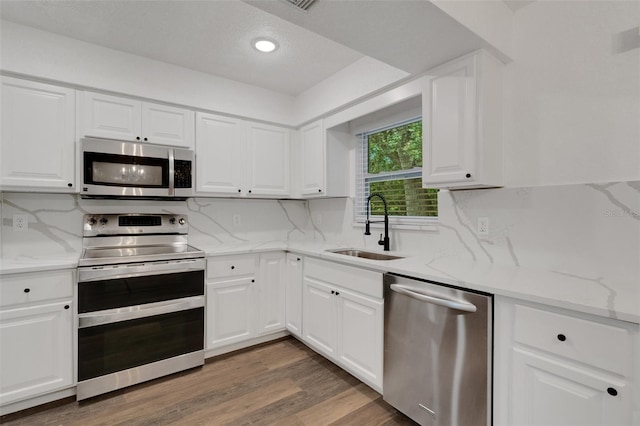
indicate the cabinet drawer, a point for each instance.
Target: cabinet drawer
{"x":231,"y":266}
{"x":597,"y":344}
{"x":352,"y":278}
{"x":33,"y":287}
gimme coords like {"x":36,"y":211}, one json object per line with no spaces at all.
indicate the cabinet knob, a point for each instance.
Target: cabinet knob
{"x":239,"y":190}
{"x":146,"y":139}
{"x":319,"y":190}
{"x":233,"y":267}
{"x":27,"y":290}
{"x":66,"y":306}
{"x":337,"y":293}
{"x":249,"y":191}
{"x":137,"y":138}
{"x":69,"y":184}
{"x":253,"y":281}
{"x":562,"y":337}
{"x":468,"y":175}
{"x":612,"y":391}
{"x":298,"y":259}
{"x":333,"y":292}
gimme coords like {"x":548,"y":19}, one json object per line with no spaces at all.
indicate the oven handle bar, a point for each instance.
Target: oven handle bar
{"x":110,"y":316}
{"x":112,"y":272}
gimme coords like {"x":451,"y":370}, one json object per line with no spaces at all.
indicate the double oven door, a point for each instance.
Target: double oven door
{"x":137,"y":322}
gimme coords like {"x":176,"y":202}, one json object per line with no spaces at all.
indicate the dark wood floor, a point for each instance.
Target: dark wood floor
{"x":282,"y":383}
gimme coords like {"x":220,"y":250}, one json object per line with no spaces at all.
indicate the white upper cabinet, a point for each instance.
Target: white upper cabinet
{"x":312,"y":141}
{"x":235,"y":157}
{"x":322,"y":168}
{"x":268,"y":155}
{"x":220,"y":154}
{"x":462,"y":124}
{"x":113,"y":117}
{"x":167,"y":125}
{"x":38,"y":136}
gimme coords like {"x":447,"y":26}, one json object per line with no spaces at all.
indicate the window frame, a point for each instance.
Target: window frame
{"x":362,"y":180}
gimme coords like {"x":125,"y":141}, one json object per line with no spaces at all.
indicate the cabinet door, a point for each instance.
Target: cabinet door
{"x":231,"y":310}
{"x":293,"y":295}
{"x":268,"y":157}
{"x":167,"y":125}
{"x":38,"y":135}
{"x":550,"y":392}
{"x":36,"y":350}
{"x":220,"y":154}
{"x":360,"y":331}
{"x":318,"y":316}
{"x":271,"y":285}
{"x":106,"y":116}
{"x":313,"y":159}
{"x":449,"y":125}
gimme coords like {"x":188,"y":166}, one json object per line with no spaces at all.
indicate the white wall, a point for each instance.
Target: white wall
{"x":33,"y":52}
{"x":353,"y":82}
{"x":572,"y":105}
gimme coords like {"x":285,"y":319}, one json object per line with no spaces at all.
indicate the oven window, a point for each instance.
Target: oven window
{"x":118,"y":346}
{"x":125,"y":170}
{"x":116,"y":293}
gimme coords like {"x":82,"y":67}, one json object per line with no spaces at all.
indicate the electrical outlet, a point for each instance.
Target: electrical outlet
{"x":20,"y":222}
{"x":237,"y":220}
{"x":483,"y":226}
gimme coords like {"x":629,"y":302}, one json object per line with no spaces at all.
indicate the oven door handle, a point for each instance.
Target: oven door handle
{"x":86,"y":274}
{"x":141,"y":311}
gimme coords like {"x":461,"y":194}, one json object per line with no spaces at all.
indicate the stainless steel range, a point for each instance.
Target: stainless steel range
{"x":140,"y":301}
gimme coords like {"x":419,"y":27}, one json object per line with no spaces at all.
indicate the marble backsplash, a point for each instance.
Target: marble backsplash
{"x":590,"y":231}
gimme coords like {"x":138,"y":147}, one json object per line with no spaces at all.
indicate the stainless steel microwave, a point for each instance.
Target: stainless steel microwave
{"x":115,"y":169}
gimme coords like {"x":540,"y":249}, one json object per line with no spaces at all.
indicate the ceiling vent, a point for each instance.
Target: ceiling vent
{"x":301,"y":4}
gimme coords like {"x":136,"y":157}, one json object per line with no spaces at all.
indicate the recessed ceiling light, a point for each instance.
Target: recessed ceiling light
{"x":264,"y":44}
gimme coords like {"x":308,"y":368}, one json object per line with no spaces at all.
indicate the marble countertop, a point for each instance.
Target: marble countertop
{"x":618,"y":301}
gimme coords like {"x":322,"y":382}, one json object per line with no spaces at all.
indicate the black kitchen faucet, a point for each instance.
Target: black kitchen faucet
{"x":367,"y":231}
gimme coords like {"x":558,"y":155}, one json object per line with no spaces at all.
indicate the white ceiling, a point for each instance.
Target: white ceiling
{"x":208,"y":36}
{"x":213,"y":36}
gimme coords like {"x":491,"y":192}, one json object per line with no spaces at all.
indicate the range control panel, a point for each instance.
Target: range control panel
{"x":134,"y":224}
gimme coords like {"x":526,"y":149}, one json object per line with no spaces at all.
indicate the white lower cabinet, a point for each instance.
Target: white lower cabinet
{"x":230,"y":316}
{"x":342,"y":317}
{"x":36,"y":335}
{"x":245,"y":298}
{"x":319,"y":316}
{"x":293,"y":294}
{"x":557,"y":367}
{"x":271,"y":290}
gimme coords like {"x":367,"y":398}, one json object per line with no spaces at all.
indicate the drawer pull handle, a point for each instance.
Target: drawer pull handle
{"x":612,"y":391}
{"x":562,"y":337}
{"x":27,"y":290}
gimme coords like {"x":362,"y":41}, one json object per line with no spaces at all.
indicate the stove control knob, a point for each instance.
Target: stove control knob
{"x":103,"y":221}
{"x":92,"y":221}
{"x":181,"y":221}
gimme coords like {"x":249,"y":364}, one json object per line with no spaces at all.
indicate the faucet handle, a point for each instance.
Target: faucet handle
{"x":381,"y":241}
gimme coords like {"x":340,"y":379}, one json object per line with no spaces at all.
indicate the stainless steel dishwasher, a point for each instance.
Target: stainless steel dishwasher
{"x":437,"y":352}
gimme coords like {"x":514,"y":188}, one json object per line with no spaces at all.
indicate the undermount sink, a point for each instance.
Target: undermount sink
{"x":364,"y":254}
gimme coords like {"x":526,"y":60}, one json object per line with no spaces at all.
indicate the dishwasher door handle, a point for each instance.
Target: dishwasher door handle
{"x":426,"y":297}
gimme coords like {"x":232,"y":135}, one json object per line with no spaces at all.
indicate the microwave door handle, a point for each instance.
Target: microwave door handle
{"x":171,"y":173}
{"x":458,"y":305}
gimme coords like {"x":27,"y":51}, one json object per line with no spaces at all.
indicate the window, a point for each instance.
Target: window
{"x":389,"y":162}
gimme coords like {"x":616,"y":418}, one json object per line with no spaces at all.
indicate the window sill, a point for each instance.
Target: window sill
{"x":431,"y":226}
